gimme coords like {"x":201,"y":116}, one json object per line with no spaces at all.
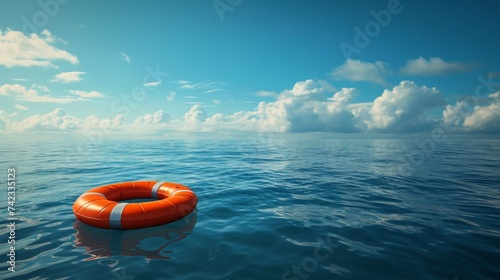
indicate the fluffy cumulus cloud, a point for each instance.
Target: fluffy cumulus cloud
{"x":314,"y":106}
{"x":474,"y":114}
{"x":58,"y":119}
{"x":310,"y":105}
{"x":18,"y":49}
{"x":403,"y":107}
{"x":93,"y":122}
{"x":32,"y":94}
{"x":68,"y":77}
{"x":156,"y":118}
{"x":433,"y":66}
{"x":195,"y":115}
{"x":359,"y":71}
{"x":302,"y":108}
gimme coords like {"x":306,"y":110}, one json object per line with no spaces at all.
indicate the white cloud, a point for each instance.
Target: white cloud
{"x":403,"y":106}
{"x":21,"y":107}
{"x":10,"y":89}
{"x":17,"y":49}
{"x":86,"y":94}
{"x":60,"y":120}
{"x":195,"y":115}
{"x":433,"y":66}
{"x":125,"y":56}
{"x":473,"y":114}
{"x":92,"y":122}
{"x":156,"y":118}
{"x":213,"y":90}
{"x":19,"y":79}
{"x":152,"y":84}
{"x":344,"y":96}
{"x":454,"y":115}
{"x":188,"y":86}
{"x":359,"y":71}
{"x":216,"y":101}
{"x":302,"y":108}
{"x":308,"y":106}
{"x":209,"y":86}
{"x":68,"y":77}
{"x":21,"y":93}
{"x":55,"y":120}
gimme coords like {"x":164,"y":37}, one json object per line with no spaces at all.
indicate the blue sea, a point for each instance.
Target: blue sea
{"x":269,"y":208}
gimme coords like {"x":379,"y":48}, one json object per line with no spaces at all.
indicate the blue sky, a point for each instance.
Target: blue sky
{"x":239,"y":65}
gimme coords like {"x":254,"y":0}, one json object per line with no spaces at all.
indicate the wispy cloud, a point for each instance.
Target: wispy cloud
{"x":433,"y":66}
{"x":19,"y":79}
{"x":41,"y":50}
{"x":32,"y":94}
{"x":21,"y":107}
{"x":125,"y":56}
{"x":86,"y":94}
{"x":213,"y":90}
{"x":68,"y":77}
{"x":209,"y":86}
{"x":152,"y":84}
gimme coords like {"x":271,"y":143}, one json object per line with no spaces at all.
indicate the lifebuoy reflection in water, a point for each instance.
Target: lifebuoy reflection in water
{"x":148,"y":242}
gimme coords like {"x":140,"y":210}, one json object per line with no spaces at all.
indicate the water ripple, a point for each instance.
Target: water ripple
{"x":265,"y":206}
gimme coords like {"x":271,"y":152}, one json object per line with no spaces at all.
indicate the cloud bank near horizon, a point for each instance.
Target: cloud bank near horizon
{"x":309,"y":106}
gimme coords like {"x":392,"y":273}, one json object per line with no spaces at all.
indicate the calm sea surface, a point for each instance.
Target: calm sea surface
{"x":268,"y":209}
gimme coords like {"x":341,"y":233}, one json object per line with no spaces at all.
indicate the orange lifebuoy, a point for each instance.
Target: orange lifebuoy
{"x":101,"y":206}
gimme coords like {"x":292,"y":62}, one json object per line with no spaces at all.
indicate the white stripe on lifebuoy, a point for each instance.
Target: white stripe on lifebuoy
{"x":115,"y":218}
{"x":154,"y":190}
